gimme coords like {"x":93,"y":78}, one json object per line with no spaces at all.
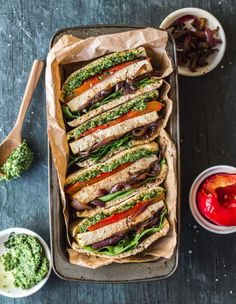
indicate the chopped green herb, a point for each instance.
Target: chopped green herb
{"x":142,"y":83}
{"x":26,"y":259}
{"x":18,"y":162}
{"x":91,"y":221}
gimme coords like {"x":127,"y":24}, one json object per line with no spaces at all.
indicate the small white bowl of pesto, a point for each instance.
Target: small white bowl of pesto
{"x":25,"y":262}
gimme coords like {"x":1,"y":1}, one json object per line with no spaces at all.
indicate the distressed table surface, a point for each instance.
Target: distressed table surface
{"x":207,"y":264}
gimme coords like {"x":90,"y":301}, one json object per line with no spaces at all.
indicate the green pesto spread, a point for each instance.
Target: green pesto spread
{"x":137,"y":104}
{"x":26,"y":260}
{"x":94,"y":69}
{"x":100,"y":216}
{"x":18,"y":162}
{"x":129,"y":157}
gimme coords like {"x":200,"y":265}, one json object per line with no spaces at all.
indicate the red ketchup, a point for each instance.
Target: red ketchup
{"x":216,"y":199}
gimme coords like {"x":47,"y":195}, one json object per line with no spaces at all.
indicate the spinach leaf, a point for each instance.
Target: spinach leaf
{"x":115,"y":195}
{"x":109,"y":98}
{"x":68,"y":114}
{"x":144,"y":82}
{"x":99,"y":153}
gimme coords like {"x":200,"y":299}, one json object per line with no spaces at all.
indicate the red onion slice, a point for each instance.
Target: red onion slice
{"x":119,"y":186}
{"x":151,"y":221}
{"x":103,"y":192}
{"x":183,"y":19}
{"x":110,"y":241}
{"x":209,"y":36}
{"x":155,"y":169}
{"x":80,"y":207}
{"x":98,"y":203}
{"x":187,"y":42}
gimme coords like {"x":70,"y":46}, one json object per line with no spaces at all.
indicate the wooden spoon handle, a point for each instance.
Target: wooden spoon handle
{"x":29,"y":91}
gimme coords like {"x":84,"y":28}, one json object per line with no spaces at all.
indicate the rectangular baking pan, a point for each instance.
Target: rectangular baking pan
{"x":114,"y":273}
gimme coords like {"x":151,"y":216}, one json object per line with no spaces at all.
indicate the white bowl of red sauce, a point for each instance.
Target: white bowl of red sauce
{"x":212,"y":199}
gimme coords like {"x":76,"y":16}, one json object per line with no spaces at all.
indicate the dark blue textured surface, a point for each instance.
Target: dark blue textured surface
{"x":207,"y":266}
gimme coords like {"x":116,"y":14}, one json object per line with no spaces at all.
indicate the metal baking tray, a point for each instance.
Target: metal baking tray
{"x":114,"y":273}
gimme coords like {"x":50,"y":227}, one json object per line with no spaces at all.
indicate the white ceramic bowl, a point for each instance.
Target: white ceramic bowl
{"x":193,"y":204}
{"x":6,"y":279}
{"x":212,"y":23}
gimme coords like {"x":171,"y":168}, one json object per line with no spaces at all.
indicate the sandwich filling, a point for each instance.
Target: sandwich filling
{"x":109,"y":196}
{"x":113,"y":116}
{"x":143,"y":104}
{"x":96,"y":173}
{"x":128,"y":222}
{"x":89,"y":95}
{"x":77,"y":79}
{"x":97,"y":67}
{"x":128,"y":240}
{"x":98,"y":221}
{"x":116,"y":95}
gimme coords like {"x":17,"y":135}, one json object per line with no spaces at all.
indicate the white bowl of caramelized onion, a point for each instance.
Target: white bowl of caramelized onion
{"x":200,"y":40}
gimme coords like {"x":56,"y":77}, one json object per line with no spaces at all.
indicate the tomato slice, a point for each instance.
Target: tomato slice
{"x":152,"y":106}
{"x":92,"y":81}
{"x":117,"y":217}
{"x":71,"y":189}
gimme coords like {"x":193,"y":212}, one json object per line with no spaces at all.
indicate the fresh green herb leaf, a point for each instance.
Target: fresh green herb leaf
{"x":144,"y":82}
{"x":106,"y":100}
{"x":73,"y":160}
{"x":116,"y":195}
{"x":101,"y":152}
{"x":68,"y":114}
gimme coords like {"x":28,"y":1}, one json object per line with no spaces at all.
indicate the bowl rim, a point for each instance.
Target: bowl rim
{"x":38,"y":286}
{"x":204,"y":70}
{"x":192,"y":199}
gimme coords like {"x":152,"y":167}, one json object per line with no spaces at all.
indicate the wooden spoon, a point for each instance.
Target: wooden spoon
{"x":13,"y":140}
